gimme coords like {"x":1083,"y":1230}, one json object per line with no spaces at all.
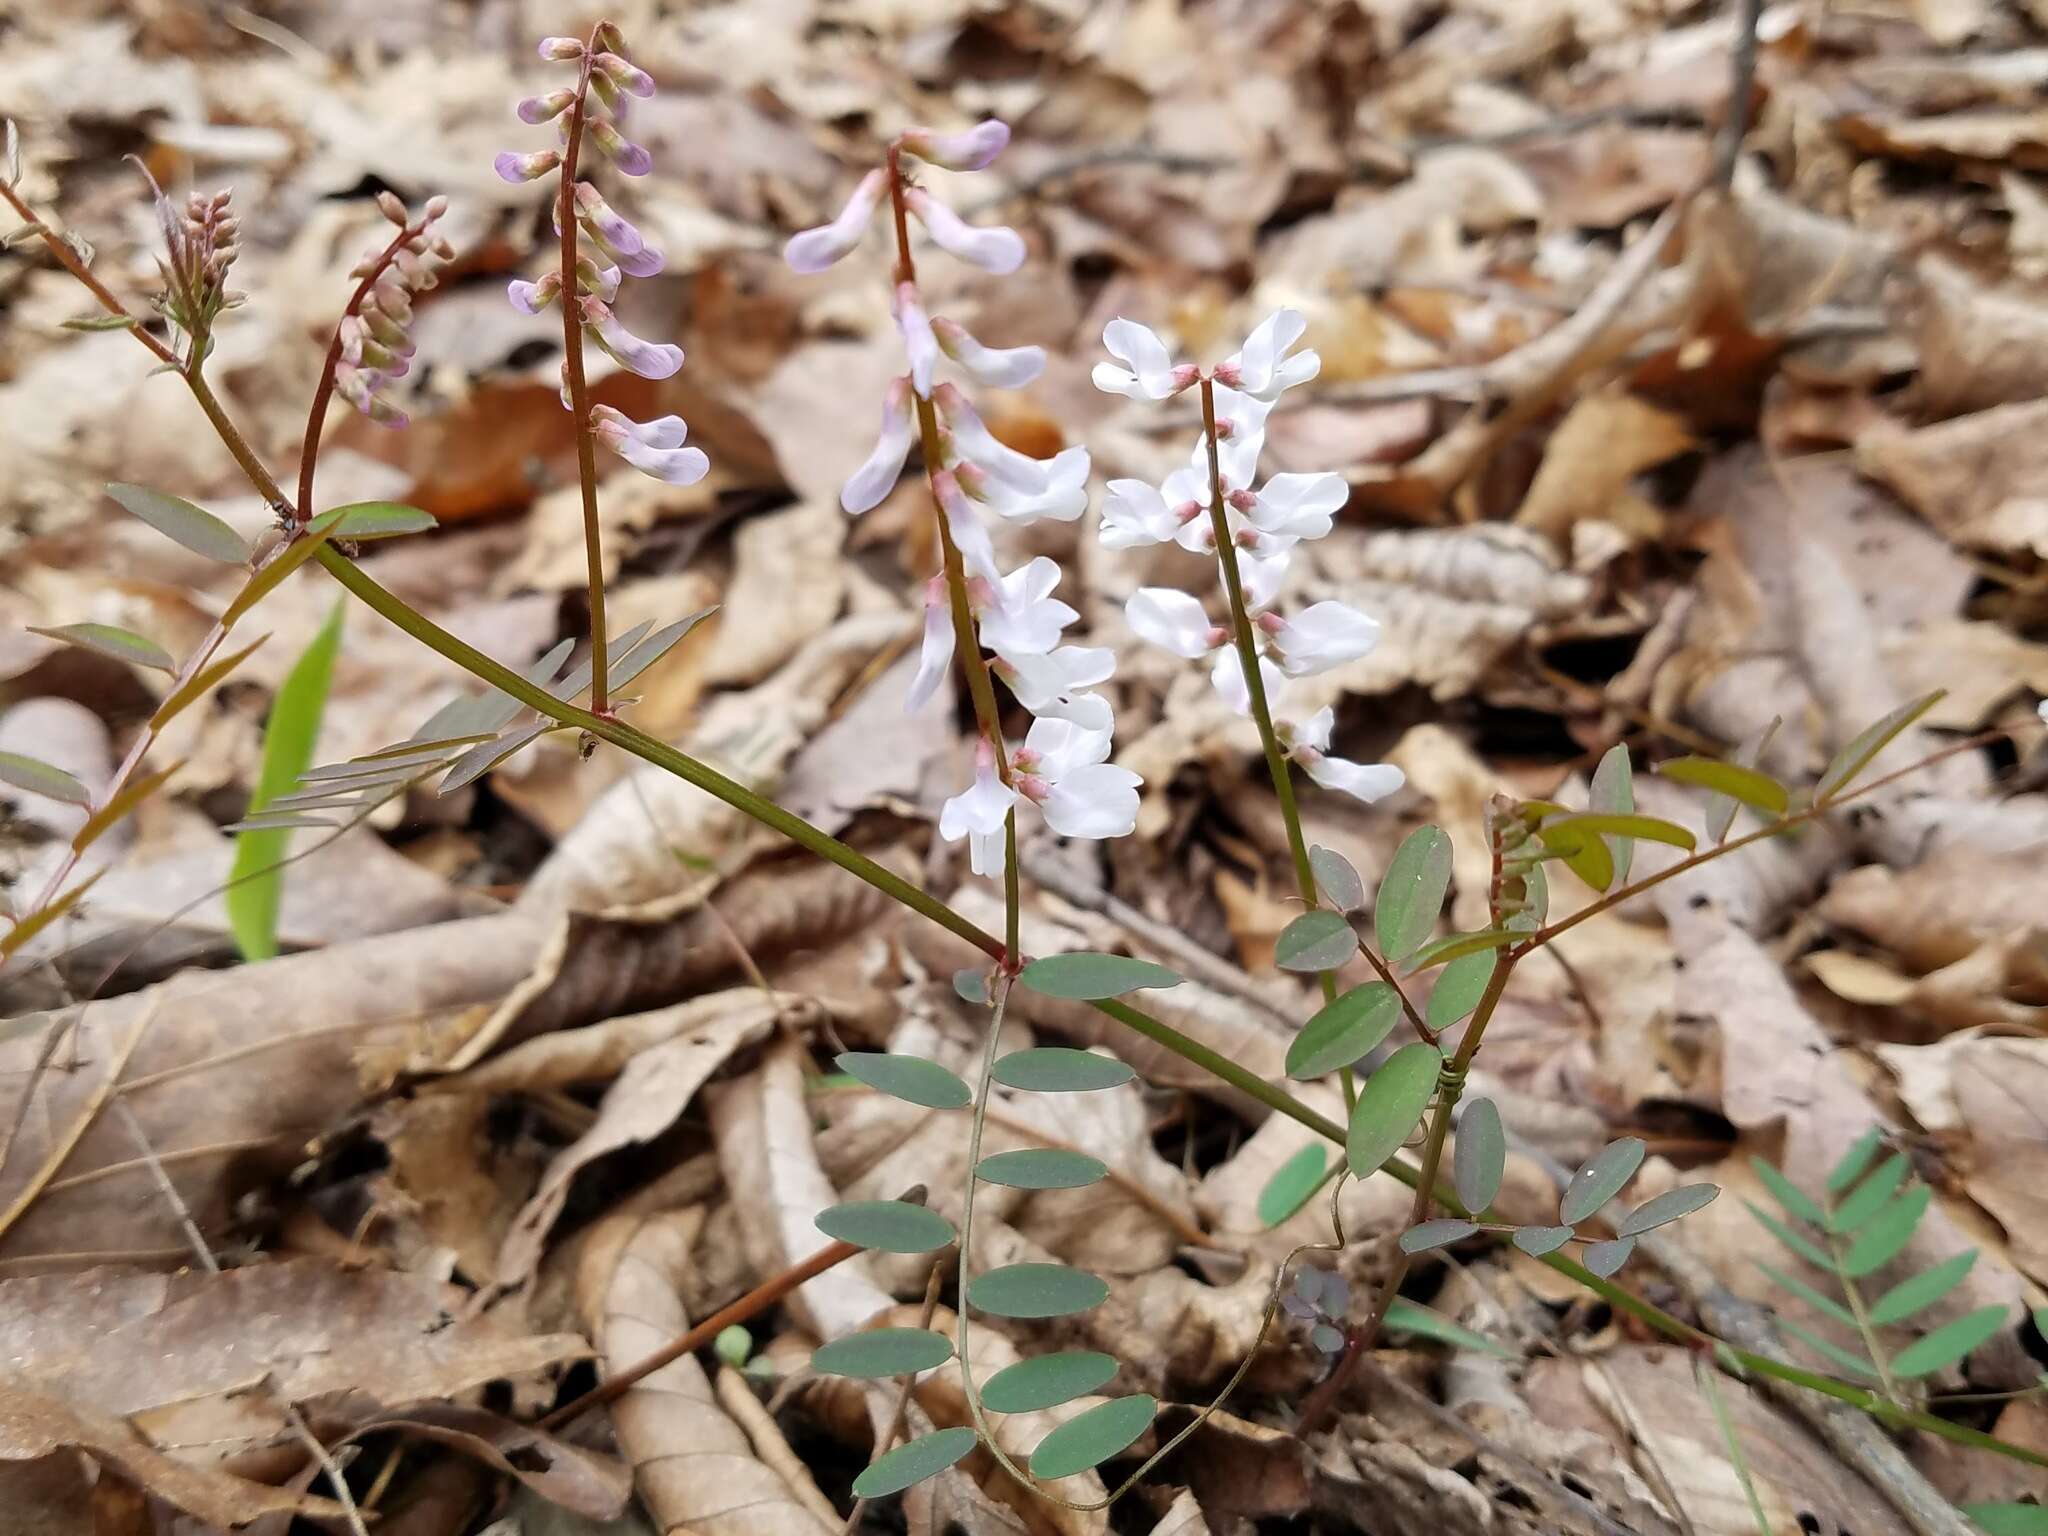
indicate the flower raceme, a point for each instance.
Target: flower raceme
{"x":1062,"y":766}
{"x":1264,"y":523}
{"x":376,"y":346}
{"x":589,"y":114}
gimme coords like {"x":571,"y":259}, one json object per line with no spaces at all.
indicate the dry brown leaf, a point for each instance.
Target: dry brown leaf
{"x":787,"y":584}
{"x":35,"y":1427}
{"x":1979,"y":347}
{"x":2019,"y":139}
{"x":204,"y":1363}
{"x":238,"y":1071}
{"x":693,"y":1466}
{"x":1606,"y":440}
{"x":1644,"y":1401}
{"x":763,"y":1127}
{"x":683,"y":1046}
{"x":567,"y":1476}
{"x":1941,"y":909}
{"x":1981,"y":479}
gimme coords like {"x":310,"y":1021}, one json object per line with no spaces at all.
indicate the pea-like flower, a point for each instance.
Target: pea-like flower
{"x":602,"y":249}
{"x":992,"y":247}
{"x":1308,"y":744}
{"x":813,"y":250}
{"x":1149,"y":371}
{"x":1062,"y":769}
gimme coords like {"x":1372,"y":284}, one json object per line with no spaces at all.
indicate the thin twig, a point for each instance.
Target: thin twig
{"x":898,"y":1418}
{"x":183,"y":1212}
{"x":325,"y":1457}
{"x":1742,"y":81}
{"x":75,"y":1133}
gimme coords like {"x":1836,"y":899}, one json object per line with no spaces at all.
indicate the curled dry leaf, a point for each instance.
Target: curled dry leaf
{"x":693,"y":1466}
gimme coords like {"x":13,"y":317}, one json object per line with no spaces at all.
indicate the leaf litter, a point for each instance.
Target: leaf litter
{"x":546,"y":1066}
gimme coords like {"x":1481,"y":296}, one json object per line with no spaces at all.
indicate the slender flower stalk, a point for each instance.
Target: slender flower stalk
{"x":586,"y":285}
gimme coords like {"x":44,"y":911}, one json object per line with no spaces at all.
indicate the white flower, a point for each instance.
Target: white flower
{"x":1150,"y":373}
{"x":977,"y":813}
{"x":1046,"y":684}
{"x":994,"y":248}
{"x":813,"y":250}
{"x":652,"y":447}
{"x":991,"y":367}
{"x":971,"y":439}
{"x":1135,"y":514}
{"x":1021,"y":617}
{"x":1321,"y":636}
{"x":866,"y":486}
{"x":1290,"y":507}
{"x":1063,"y":498}
{"x":1263,"y":576}
{"x":1309,"y":746}
{"x":977,"y":553}
{"x":1262,"y":368}
{"x":1061,"y":769}
{"x":919,"y":344}
{"x":1173,"y":620}
{"x":1228,"y":677}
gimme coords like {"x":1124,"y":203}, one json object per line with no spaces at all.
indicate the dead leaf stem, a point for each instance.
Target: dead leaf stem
{"x":69,"y":1140}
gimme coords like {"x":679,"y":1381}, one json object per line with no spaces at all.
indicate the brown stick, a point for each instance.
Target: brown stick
{"x":756,"y":1301}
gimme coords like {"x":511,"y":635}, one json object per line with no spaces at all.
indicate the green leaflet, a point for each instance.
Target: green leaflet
{"x":1390,"y":1106}
{"x":1090,"y":977}
{"x":1293,"y":1183}
{"x":910,"y":1078}
{"x":882,"y":1352}
{"x":1948,"y":1343}
{"x":1337,"y":879}
{"x":1343,"y":1030}
{"x":1479,"y":1154}
{"x":1060,"y":1069}
{"x":1090,"y":1438}
{"x":177,"y":519}
{"x":1613,"y":792}
{"x":1041,"y":1168}
{"x":1884,"y":1237}
{"x":1320,"y":940}
{"x":1044,"y":1381}
{"x":1036,"y":1290}
{"x":891,"y":1226}
{"x":1602,"y":1177}
{"x":255,"y":892}
{"x":1411,"y":894}
{"x":913,"y":1462}
{"x":1918,"y":1292}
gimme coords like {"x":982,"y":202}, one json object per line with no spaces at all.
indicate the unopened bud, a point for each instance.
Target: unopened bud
{"x":554,"y":49}
{"x":540,"y":109}
{"x":517,"y":168}
{"x":628,"y":77}
{"x":437,"y":207}
{"x":392,"y":209}
{"x":610,"y":38}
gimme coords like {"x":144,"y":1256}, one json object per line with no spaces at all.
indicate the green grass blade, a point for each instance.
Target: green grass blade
{"x":256,"y":891}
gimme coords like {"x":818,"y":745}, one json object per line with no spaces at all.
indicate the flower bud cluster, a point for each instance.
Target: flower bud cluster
{"x":1062,"y":766}
{"x":376,"y":340}
{"x":1264,"y":523}
{"x":201,"y":242}
{"x":590,"y":114}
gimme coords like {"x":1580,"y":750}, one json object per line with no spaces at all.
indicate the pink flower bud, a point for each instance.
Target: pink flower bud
{"x":602,"y":220}
{"x":651,"y":360}
{"x":626,"y":155}
{"x":541,"y":109}
{"x":532,"y":298}
{"x":813,"y":250}
{"x":437,"y":207}
{"x":517,"y":168}
{"x":628,"y":77}
{"x":969,"y":151}
{"x":995,"y":248}
{"x":392,"y":209}
{"x":599,"y":279}
{"x":555,"y":49}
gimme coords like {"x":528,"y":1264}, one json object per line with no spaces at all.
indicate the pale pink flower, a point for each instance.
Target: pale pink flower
{"x":628,"y":77}
{"x":1020,"y":616}
{"x":935,"y":654}
{"x":813,"y":250}
{"x":532,"y":298}
{"x":653,"y":447}
{"x":867,"y":486}
{"x":968,"y":151}
{"x":1227,"y":676}
{"x":630,"y":158}
{"x":994,"y":248}
{"x":919,"y":344}
{"x":541,"y":109}
{"x":1061,"y":769}
{"x":992,"y":367}
{"x":978,"y":812}
{"x":517,"y":168}
{"x":649,"y":359}
{"x":977,"y":553}
{"x":555,"y":49}
{"x":1063,"y":497}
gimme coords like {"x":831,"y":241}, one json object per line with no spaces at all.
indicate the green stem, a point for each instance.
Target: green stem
{"x":1255,"y":684}
{"x":1864,"y":1326}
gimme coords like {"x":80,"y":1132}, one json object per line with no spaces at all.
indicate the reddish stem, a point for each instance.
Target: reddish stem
{"x":316,"y":416}
{"x":579,"y":389}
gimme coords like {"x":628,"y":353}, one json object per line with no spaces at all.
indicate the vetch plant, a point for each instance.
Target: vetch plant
{"x":1216,"y":507}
